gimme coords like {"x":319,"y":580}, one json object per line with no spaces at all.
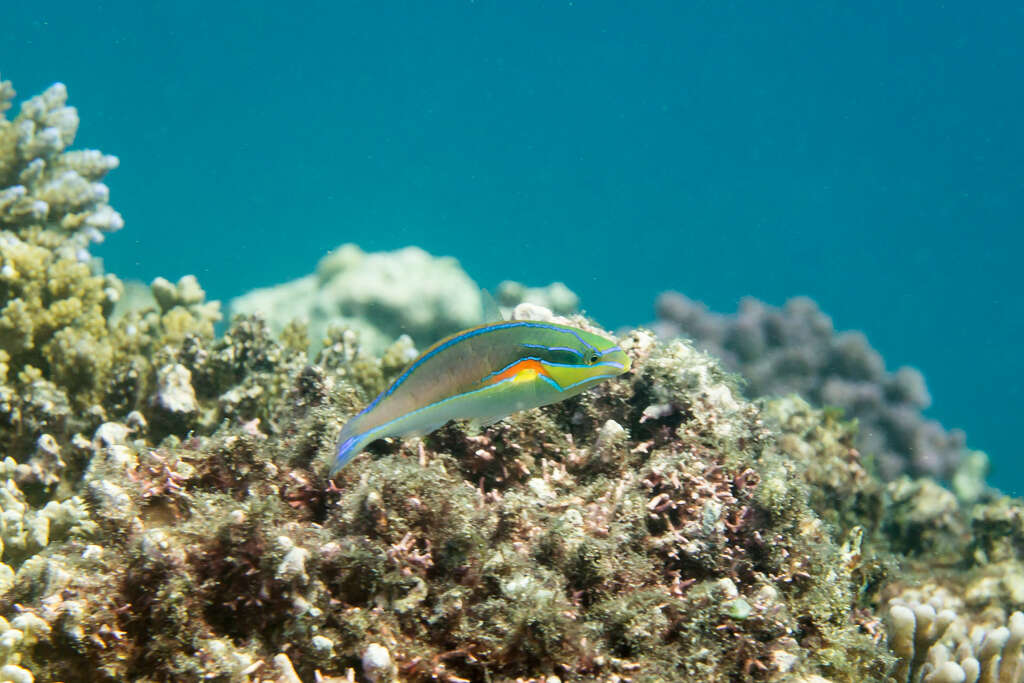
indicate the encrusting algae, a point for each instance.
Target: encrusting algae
{"x":167,"y":514}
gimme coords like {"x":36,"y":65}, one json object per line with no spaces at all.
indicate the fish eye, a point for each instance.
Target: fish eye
{"x":593,"y":359}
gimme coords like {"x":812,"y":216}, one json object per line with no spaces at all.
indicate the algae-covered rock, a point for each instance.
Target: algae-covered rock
{"x":648,"y":528}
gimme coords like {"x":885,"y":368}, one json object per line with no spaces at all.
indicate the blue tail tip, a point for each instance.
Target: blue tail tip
{"x":347,"y":450}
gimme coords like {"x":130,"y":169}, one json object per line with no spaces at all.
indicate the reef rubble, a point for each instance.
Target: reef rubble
{"x":165,"y":512}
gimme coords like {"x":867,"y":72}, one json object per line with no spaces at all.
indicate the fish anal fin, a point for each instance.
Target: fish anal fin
{"x":424,"y":430}
{"x":478,"y":423}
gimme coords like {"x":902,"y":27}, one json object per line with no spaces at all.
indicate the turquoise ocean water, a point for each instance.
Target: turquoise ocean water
{"x":869,"y":155}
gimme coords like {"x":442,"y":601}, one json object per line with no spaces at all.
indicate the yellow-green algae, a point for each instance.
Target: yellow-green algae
{"x":166,"y":514}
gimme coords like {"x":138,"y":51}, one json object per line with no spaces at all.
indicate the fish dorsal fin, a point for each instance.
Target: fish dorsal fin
{"x":489,"y":308}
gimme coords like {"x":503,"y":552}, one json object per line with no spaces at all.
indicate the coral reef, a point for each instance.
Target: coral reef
{"x":50,"y":196}
{"x":796,"y":350}
{"x":556,"y":297}
{"x":384,"y":295}
{"x":65,"y":367}
{"x":652,"y":526}
{"x":936,"y":644}
{"x":165,"y":514}
{"x":380,"y":295}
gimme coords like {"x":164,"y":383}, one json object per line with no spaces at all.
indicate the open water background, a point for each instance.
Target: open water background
{"x":869,"y":155}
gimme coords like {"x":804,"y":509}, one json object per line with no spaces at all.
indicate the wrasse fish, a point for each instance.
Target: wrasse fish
{"x":484,"y":374}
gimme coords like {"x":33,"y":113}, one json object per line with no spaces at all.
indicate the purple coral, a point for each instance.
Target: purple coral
{"x":795,"y":349}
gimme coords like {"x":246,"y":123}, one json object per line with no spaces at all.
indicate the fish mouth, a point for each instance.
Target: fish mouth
{"x":623,"y":366}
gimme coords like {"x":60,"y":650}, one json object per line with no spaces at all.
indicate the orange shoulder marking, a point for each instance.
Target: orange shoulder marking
{"x":528,"y":368}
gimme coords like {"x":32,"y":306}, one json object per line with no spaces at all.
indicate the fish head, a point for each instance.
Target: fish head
{"x":584,"y":359}
{"x":603,"y":354}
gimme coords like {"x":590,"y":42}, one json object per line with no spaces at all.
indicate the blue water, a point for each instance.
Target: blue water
{"x":870,"y":155}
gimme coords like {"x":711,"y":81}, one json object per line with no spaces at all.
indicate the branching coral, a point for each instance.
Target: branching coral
{"x":50,"y":196}
{"x":53,"y":317}
{"x":796,"y":350}
{"x":937,"y":644}
{"x":66,"y":365}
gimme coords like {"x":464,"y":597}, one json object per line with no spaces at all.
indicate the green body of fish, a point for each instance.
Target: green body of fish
{"x":484,"y":374}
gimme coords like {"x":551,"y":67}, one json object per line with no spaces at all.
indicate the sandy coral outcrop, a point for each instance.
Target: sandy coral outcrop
{"x":380,"y":295}
{"x":383,"y":295}
{"x":556,"y":297}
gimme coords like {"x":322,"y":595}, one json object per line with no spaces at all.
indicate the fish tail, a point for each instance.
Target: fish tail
{"x":347,"y":449}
